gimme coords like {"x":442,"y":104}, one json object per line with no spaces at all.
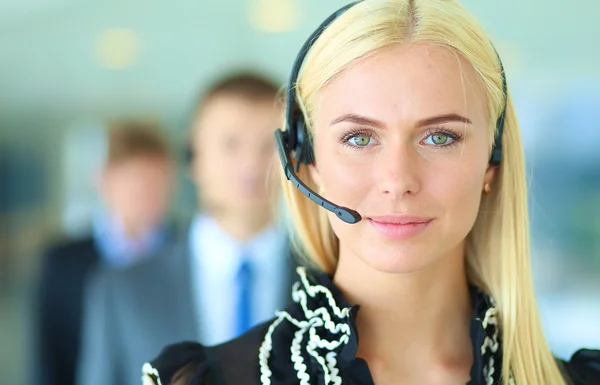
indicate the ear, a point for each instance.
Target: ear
{"x":98,"y":179}
{"x":490,"y":174}
{"x":191,"y":170}
{"x":191,"y":153}
{"x":104,"y":181}
{"x":314,"y":174}
{"x":101,"y":180}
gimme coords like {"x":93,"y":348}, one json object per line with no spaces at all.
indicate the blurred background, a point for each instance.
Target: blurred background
{"x":67,"y":66}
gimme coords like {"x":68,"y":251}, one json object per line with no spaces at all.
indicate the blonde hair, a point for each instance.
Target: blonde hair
{"x":497,"y":248}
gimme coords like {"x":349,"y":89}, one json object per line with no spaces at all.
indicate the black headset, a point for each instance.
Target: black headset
{"x":296,"y":138}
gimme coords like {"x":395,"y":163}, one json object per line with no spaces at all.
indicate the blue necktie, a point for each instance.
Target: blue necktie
{"x":244,"y":296}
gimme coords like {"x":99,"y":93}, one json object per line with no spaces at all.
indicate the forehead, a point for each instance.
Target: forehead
{"x":406,"y":82}
{"x":226,"y":113}
{"x":141,"y":162}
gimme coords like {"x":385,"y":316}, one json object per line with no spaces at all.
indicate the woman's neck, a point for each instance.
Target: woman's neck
{"x":411,"y":325}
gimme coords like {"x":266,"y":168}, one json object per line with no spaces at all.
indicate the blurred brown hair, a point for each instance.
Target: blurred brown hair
{"x":134,"y":139}
{"x":246,"y":85}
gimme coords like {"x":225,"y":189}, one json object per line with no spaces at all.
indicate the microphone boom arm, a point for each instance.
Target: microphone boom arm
{"x":345,"y":214}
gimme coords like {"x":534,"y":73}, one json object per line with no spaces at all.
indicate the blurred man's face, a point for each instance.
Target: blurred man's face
{"x":138,"y":190}
{"x":234,"y":151}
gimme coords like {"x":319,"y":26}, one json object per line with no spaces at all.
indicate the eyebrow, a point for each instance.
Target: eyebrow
{"x":365,"y":121}
{"x":443,"y":119}
{"x":357,"y":119}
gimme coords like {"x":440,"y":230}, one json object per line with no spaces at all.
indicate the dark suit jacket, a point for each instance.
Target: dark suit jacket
{"x":132,"y":314}
{"x":58,"y":310}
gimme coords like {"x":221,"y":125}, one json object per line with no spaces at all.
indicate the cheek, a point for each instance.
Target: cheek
{"x":456,"y":196}
{"x":158,"y":193}
{"x":344,"y":180}
{"x":454,"y":184}
{"x":211,"y":167}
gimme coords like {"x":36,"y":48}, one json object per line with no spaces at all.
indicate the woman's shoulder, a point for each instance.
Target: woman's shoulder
{"x":191,"y":363}
{"x":584,"y":367}
{"x":175,"y":364}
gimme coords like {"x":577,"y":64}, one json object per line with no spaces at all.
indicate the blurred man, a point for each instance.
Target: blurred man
{"x":230,"y":270}
{"x":135,"y":186}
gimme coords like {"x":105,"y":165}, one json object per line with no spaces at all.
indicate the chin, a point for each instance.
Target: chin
{"x":252,"y":205}
{"x":399,"y":259}
{"x":396,"y":266}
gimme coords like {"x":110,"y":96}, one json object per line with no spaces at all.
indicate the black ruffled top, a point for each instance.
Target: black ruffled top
{"x":314,"y":342}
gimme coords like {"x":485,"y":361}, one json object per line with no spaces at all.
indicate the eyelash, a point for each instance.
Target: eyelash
{"x":455,"y":136}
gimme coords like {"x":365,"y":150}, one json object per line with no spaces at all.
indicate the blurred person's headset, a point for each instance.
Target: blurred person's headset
{"x":188,"y":152}
{"x":296,"y":139}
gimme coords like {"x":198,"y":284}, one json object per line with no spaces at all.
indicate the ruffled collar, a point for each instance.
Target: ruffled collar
{"x":314,"y":341}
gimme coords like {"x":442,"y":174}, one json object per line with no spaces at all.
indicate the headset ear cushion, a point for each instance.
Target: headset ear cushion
{"x":309,"y":154}
{"x":304,"y":150}
{"x":188,"y":154}
{"x":496,"y":157}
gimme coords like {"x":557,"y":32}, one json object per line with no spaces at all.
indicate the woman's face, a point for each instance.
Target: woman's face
{"x":402,"y":137}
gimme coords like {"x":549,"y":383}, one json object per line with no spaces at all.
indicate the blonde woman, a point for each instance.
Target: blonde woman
{"x":401,"y":129}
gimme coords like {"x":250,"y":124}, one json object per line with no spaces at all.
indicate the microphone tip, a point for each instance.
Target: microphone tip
{"x":348,"y":216}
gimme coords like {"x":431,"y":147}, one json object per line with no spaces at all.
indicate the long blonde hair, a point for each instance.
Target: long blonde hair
{"x":497,"y":251}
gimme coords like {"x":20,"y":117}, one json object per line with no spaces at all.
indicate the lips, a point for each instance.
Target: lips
{"x":399,"y":226}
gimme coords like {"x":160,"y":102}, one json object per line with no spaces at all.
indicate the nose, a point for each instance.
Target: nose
{"x":398,"y":169}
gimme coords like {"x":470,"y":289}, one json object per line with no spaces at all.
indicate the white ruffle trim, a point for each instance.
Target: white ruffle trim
{"x":319,"y":318}
{"x":149,"y":374}
{"x":490,"y":342}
